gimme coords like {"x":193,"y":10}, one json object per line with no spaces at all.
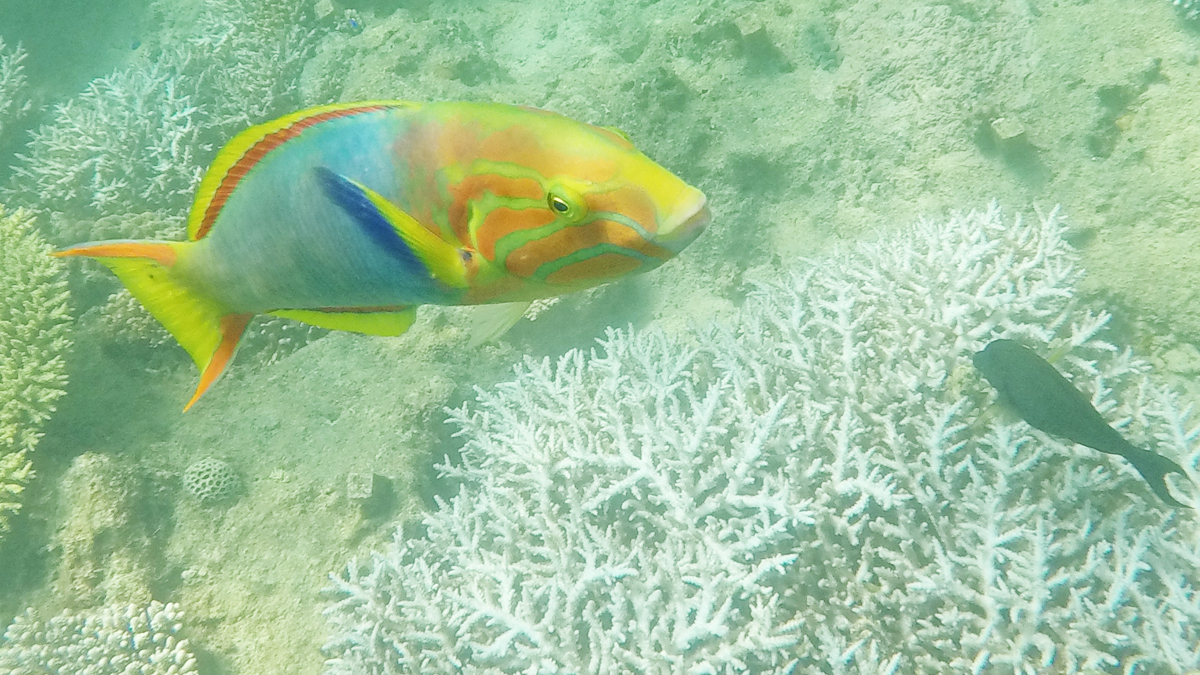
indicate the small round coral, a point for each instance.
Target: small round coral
{"x":211,"y":480}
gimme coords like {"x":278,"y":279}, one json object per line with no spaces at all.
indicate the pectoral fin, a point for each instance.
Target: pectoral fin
{"x":418,"y":249}
{"x":489,"y":322}
{"x":386,"y":322}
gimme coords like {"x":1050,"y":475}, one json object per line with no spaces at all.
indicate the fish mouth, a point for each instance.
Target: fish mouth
{"x":685,"y":223}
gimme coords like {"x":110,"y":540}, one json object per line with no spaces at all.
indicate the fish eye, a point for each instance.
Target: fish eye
{"x":566,"y":203}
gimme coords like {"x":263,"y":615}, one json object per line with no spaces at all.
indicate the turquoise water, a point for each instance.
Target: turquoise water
{"x":810,"y":126}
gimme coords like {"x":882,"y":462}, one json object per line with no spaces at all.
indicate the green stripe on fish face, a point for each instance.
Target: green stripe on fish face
{"x":510,"y":244}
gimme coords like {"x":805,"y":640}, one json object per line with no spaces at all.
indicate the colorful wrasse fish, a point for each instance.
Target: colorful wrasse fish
{"x":349,"y":216}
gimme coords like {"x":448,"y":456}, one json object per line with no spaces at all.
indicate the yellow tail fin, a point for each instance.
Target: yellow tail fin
{"x":202,"y":326}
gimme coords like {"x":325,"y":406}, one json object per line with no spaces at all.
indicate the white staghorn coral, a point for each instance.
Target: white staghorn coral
{"x":138,"y":139}
{"x":614,"y":517}
{"x":128,"y":143}
{"x":825,"y":488}
{"x":245,"y":59}
{"x":950,"y":540}
{"x":13,"y":101}
{"x":110,"y":640}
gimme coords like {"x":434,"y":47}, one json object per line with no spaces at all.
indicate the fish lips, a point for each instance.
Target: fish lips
{"x":685,"y":223}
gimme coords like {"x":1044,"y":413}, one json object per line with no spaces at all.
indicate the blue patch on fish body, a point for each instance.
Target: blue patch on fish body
{"x":294,"y":236}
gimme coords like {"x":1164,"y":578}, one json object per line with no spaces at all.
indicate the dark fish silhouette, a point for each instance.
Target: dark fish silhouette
{"x":1047,"y":401}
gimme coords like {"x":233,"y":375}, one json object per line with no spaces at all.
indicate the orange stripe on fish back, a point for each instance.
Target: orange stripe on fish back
{"x":249,"y":147}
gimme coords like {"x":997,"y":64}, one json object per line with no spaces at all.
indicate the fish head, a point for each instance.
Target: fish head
{"x":558,"y":205}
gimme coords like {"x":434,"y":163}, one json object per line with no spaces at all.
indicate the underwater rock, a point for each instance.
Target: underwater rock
{"x":105,"y":553}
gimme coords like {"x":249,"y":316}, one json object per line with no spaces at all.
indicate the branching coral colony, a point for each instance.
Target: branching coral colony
{"x":129,"y":639}
{"x":136,"y":140}
{"x":824,"y":488}
{"x":13,"y":102}
{"x":133,"y":145}
{"x":34,"y":338}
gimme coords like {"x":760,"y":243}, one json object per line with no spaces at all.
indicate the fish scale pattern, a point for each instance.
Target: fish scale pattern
{"x":825,"y":486}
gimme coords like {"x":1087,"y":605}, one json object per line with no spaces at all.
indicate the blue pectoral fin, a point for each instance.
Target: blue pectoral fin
{"x":419,"y":251}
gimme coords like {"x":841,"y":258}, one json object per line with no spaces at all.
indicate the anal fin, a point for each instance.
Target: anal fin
{"x":386,"y":321}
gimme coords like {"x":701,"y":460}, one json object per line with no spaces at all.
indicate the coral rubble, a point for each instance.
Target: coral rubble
{"x":823,"y":488}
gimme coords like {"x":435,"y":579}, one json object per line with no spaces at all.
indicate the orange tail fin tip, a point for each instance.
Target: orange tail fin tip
{"x":160,"y":252}
{"x":232,"y":327}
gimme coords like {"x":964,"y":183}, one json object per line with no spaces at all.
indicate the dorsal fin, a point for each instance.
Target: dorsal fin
{"x":250,"y":146}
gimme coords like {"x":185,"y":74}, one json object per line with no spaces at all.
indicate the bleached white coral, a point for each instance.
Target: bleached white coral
{"x":13,"y":100}
{"x":128,"y":143}
{"x":108,"y":641}
{"x":950,"y":540}
{"x":138,"y":139}
{"x":616,"y":516}
{"x":837,"y":452}
{"x":246,"y":59}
